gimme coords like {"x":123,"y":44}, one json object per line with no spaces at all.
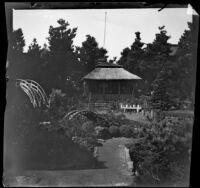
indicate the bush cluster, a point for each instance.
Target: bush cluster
{"x":126,"y":130}
{"x":114,"y":131}
{"x":164,"y":154}
{"x":102,"y":132}
{"x":118,"y":125}
{"x":87,"y":142}
{"x":58,"y":105}
{"x":107,"y":120}
{"x":81,"y":130}
{"x":105,"y":127}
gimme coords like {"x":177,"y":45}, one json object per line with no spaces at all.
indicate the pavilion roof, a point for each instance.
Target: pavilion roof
{"x":110,"y":72}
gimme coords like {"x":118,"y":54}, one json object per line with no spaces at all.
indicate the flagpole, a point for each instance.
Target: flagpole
{"x":104,"y":39}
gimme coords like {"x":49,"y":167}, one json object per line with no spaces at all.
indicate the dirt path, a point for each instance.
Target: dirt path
{"x":115,"y":173}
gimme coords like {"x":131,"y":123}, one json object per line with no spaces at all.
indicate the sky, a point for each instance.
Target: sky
{"x":121,"y":25}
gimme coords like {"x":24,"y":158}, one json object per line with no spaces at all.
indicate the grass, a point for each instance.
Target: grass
{"x":138,"y":117}
{"x":181,"y":113}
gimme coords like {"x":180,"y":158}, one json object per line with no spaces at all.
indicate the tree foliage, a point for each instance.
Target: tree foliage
{"x":89,"y":53}
{"x":34,"y":61}
{"x":156,"y":55}
{"x":186,"y":62}
{"x":61,"y":65}
{"x":163,"y":156}
{"x":160,"y":97}
{"x":148,"y":60}
{"x":16,"y":41}
{"x":62,"y":60}
{"x":16,"y":60}
{"x":131,"y":57}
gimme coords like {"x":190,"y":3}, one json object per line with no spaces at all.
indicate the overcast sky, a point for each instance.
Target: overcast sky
{"x":120,"y":28}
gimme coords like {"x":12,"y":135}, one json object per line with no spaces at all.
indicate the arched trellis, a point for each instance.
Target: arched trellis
{"x":38,"y":97}
{"x":93,"y":116}
{"x":34,"y":91}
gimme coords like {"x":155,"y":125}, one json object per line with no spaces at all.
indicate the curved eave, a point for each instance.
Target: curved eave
{"x":111,"y":74}
{"x":113,"y":79}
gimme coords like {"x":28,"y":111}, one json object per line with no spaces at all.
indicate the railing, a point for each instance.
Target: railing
{"x":130,"y":107}
{"x":112,"y":97}
{"x":99,"y":106}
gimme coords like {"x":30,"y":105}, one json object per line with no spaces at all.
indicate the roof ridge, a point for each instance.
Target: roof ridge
{"x":110,"y":73}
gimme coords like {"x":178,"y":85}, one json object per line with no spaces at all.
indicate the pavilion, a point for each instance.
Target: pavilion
{"x":110,"y":82}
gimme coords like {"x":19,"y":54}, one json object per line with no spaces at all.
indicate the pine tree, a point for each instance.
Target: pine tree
{"x":89,"y":53}
{"x":34,"y":48}
{"x":34,"y":61}
{"x":156,"y":55}
{"x":131,"y":57}
{"x":186,"y":62}
{"x":62,"y":61}
{"x":160,"y":96}
{"x":15,"y":60}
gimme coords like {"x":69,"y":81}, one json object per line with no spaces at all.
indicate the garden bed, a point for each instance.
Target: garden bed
{"x":162,"y":156}
{"x":28,"y":147}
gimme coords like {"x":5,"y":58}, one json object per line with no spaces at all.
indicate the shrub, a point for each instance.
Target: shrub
{"x":121,"y":116}
{"x":126,"y":130}
{"x":88,"y":126}
{"x":71,"y":128}
{"x":114,"y":131}
{"x":87,"y":129}
{"x":164,"y":153}
{"x":80,"y":133}
{"x":102,"y":132}
{"x":87,"y":142}
{"x":101,"y":122}
{"x":107,"y":120}
{"x":57,"y":105}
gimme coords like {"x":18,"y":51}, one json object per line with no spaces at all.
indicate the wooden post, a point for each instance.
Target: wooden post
{"x":119,"y":88}
{"x":90,"y":95}
{"x":152,"y":114}
{"x":132,"y":84}
{"x":84,"y":89}
{"x":103,"y":88}
{"x":143,"y":112}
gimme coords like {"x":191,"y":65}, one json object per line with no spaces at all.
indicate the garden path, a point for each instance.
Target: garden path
{"x":115,"y":173}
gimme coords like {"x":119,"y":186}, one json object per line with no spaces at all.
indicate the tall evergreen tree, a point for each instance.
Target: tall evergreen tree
{"x":34,"y":48}
{"x":186,"y":62}
{"x":160,"y":96}
{"x":62,"y":60}
{"x":113,"y":60}
{"x":17,"y":42}
{"x":16,"y":68}
{"x":90,"y":53}
{"x":131,"y":57}
{"x":181,"y":82}
{"x":34,"y":61}
{"x":124,"y":58}
{"x":155,"y":57}
{"x":15,"y":57}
